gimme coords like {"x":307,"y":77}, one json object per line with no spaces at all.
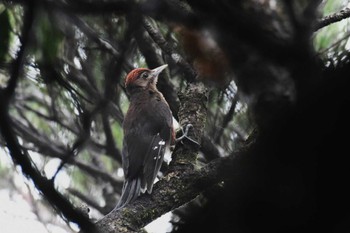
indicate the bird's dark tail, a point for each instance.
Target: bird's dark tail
{"x":131,"y":190}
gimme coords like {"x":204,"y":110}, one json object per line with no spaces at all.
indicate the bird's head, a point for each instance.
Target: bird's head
{"x":143,"y":78}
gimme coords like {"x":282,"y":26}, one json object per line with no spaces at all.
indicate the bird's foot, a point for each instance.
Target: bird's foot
{"x":185,"y":134}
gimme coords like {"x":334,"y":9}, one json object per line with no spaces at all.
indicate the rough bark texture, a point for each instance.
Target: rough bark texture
{"x":193,"y":110}
{"x":175,"y":189}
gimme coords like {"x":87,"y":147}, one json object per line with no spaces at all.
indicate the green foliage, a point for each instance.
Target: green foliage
{"x":48,"y":38}
{"x":117,"y":134}
{"x":6,"y":35}
{"x":79,"y":180}
{"x":332,"y":6}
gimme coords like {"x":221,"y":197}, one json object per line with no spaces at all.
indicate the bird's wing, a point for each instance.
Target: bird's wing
{"x":143,"y":156}
{"x":157,"y":147}
{"x":153,"y":162}
{"x":135,"y":146}
{"x":145,"y":142}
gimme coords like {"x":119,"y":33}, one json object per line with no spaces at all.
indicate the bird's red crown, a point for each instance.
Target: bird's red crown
{"x":132,"y":76}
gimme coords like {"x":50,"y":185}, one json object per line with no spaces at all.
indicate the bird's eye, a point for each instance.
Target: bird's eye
{"x":144,"y":75}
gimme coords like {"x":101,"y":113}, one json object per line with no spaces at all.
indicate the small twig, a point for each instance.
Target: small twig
{"x":50,"y":118}
{"x":333,"y":18}
{"x":335,"y":44}
{"x":49,"y":148}
{"x":87,"y":200}
{"x":92,"y":35}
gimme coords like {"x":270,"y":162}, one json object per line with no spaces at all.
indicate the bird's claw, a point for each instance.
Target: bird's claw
{"x":185,"y":135}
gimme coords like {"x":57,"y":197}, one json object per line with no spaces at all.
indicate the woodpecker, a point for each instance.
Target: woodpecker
{"x":148,"y":131}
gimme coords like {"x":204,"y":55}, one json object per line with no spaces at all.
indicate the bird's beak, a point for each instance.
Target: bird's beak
{"x":155,"y":72}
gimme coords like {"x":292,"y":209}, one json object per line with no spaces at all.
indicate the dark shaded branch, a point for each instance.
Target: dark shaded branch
{"x":189,"y":73}
{"x":209,"y":149}
{"x":166,"y":10}
{"x":111,"y":147}
{"x":20,"y":156}
{"x":33,"y":133}
{"x":92,"y":7}
{"x":227,"y":119}
{"x":52,"y":118}
{"x":174,"y":190}
{"x":43,"y":146}
{"x":93,"y":36}
{"x":16,"y":66}
{"x":333,"y":18}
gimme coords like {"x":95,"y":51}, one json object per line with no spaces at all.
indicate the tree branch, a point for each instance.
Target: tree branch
{"x":227,"y":119}
{"x":189,"y":73}
{"x":19,"y":156}
{"x":93,"y":36}
{"x":87,"y":200}
{"x":333,"y":18}
{"x":53,"y":150}
{"x":171,"y":192}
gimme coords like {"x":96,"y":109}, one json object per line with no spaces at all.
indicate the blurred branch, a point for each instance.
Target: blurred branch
{"x":170,"y":10}
{"x":336,"y":43}
{"x":189,"y":73}
{"x":95,"y":172}
{"x":93,"y":36}
{"x":86,"y":119}
{"x":209,"y":149}
{"x":226,"y":120}
{"x":72,"y":128}
{"x":87,"y":200}
{"x":51,"y":149}
{"x":111,"y":147}
{"x":333,"y":18}
{"x":93,"y":145}
{"x":20,"y":156}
